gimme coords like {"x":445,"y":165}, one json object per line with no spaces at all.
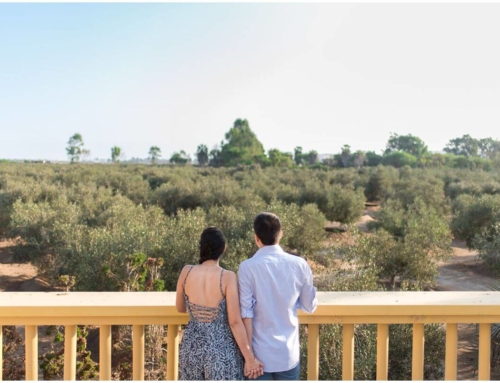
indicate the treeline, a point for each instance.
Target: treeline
{"x":241,"y":147}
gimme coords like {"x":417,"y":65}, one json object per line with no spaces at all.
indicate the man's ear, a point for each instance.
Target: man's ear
{"x":280,"y":235}
{"x":257,"y":240}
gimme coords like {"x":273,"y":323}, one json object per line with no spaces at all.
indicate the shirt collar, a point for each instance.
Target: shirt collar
{"x":271,"y":249}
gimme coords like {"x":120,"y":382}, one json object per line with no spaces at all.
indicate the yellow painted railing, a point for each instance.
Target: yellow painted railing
{"x":346,"y":308}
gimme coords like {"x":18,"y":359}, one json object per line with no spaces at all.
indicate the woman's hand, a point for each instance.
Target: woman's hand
{"x":254,"y":369}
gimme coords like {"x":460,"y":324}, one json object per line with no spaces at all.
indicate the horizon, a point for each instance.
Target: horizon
{"x":177,"y":75}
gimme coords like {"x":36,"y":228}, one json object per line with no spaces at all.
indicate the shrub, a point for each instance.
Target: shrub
{"x":487,"y":242}
{"x":472,"y":214}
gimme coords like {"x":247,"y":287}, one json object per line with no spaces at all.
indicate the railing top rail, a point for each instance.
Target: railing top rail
{"x":154,"y":304}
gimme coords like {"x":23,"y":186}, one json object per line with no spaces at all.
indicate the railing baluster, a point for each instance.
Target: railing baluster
{"x":451,"y":351}
{"x":173,"y":352}
{"x":138,"y":352}
{"x":70,"y":352}
{"x":382,"y":351}
{"x":1,"y":350}
{"x":31,"y":344}
{"x":417,"y":367}
{"x":313,"y":352}
{"x":105,"y":352}
{"x":484,"y":351}
{"x":348,"y":352}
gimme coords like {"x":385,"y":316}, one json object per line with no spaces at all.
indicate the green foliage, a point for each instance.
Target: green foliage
{"x":202,"y":155}
{"x":242,"y":146}
{"x":280,"y":159}
{"x":180,"y":158}
{"x":487,"y":242}
{"x":472,"y":215}
{"x":75,"y":148}
{"x":154,"y":154}
{"x":399,"y":159}
{"x":409,"y":144}
{"x":116,"y":153}
{"x":380,"y":183}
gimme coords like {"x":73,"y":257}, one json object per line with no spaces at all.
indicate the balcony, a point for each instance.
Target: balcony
{"x":346,"y":308}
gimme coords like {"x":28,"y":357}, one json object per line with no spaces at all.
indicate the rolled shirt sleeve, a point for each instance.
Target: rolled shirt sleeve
{"x":247,"y":300}
{"x":307,"y":299}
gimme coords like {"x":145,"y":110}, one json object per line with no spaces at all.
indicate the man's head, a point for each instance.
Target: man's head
{"x":267,"y":228}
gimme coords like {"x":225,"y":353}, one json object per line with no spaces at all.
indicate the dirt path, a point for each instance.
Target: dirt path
{"x":18,"y":276}
{"x":22,"y":277}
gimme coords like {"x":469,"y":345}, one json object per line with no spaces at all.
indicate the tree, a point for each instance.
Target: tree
{"x":116,"y":153}
{"x":373,"y":159}
{"x":242,"y":146}
{"x":463,"y":146}
{"x":345,"y":155}
{"x":407,"y":143}
{"x":312,"y":157}
{"x":215,"y":157}
{"x":488,"y":148}
{"x":154,"y":154}
{"x":359,"y":159}
{"x":202,"y":155}
{"x":399,"y":159}
{"x":298,"y":157}
{"x":180,"y":158}
{"x":75,"y":148}
{"x":280,"y":159}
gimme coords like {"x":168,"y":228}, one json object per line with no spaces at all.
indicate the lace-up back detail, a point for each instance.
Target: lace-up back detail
{"x":200,"y":313}
{"x":208,"y":350}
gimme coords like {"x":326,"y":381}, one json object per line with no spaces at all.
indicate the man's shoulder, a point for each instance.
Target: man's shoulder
{"x":295,"y":259}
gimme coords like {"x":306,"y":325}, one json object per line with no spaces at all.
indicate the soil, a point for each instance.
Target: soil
{"x":23,"y":277}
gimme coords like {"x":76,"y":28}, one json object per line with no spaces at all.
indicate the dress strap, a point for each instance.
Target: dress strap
{"x":220,"y":283}
{"x":185,"y":279}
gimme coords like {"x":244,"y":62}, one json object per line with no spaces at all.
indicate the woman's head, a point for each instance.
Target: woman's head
{"x":212,"y":244}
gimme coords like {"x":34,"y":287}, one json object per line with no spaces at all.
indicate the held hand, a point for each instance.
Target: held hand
{"x":254,"y":370}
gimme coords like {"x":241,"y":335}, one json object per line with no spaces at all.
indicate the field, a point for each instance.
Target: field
{"x":386,"y":228}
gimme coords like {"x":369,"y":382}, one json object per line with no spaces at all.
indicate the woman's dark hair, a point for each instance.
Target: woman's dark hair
{"x":212,"y":244}
{"x":267,"y":227}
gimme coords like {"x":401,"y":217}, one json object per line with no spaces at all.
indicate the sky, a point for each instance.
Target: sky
{"x":178,"y":75}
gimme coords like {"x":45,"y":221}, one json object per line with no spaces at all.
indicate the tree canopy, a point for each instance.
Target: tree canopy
{"x":242,"y":146}
{"x":407,"y":143}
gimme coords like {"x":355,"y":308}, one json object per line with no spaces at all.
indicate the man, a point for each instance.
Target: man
{"x":272,"y":286}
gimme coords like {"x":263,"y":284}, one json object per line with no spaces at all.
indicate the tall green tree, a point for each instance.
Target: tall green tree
{"x":241,"y":146}
{"x":359,"y":159}
{"x":202,"y":155}
{"x":463,"y":146}
{"x":298,"y":157}
{"x":406,"y":143}
{"x":116,"y":153}
{"x":75,"y":149}
{"x":345,"y":155}
{"x":180,"y":158}
{"x":312,"y":157}
{"x":154,"y":154}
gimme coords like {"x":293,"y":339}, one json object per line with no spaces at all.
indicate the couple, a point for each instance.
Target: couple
{"x":244,"y":326}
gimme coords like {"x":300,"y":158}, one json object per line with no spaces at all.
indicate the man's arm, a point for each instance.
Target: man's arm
{"x":307,"y":299}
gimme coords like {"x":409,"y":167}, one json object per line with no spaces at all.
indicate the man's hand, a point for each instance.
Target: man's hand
{"x":254,"y":370}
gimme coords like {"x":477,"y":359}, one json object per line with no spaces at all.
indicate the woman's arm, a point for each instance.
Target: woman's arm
{"x":236,"y":323}
{"x":179,"y":298}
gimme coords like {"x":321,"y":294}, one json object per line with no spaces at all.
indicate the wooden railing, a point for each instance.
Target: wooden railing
{"x":346,"y":308}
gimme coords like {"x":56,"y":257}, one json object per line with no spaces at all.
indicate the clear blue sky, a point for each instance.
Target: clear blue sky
{"x":178,"y":75}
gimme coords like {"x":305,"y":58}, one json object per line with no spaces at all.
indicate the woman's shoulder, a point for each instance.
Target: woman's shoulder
{"x":228,"y":274}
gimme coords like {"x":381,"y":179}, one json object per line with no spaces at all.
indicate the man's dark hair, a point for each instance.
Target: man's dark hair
{"x":212,"y":244}
{"x":267,"y":227}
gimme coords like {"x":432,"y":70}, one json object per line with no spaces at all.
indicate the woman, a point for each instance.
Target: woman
{"x":214,"y":345}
